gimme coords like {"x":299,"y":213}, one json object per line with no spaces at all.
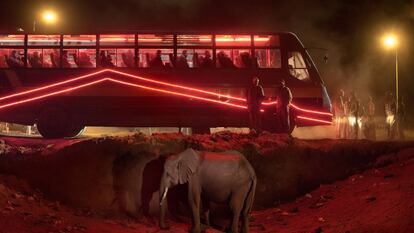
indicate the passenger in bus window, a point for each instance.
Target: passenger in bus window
{"x":207,"y":62}
{"x":224,"y":60}
{"x":171,"y":58}
{"x":196,"y":60}
{"x":156,"y":62}
{"x":65,"y":60}
{"x":14,"y":60}
{"x":182,"y":60}
{"x":83,"y":61}
{"x":128,"y":59}
{"x":106,"y":59}
{"x":35,"y":60}
{"x":54,"y":59}
{"x":254,"y":98}
{"x":246,"y":61}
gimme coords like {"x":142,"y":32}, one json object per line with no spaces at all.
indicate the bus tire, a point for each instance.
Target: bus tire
{"x":53,"y":122}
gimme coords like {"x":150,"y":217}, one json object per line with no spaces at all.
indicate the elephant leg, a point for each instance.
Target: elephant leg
{"x":206,"y":211}
{"x":194,"y":201}
{"x":247,"y":208}
{"x":236,"y":206}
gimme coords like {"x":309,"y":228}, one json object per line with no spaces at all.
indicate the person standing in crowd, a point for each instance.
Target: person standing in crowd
{"x":207,"y":62}
{"x":284,"y":98}
{"x":354,"y":114}
{"x":339,"y":113}
{"x":390,"y":111}
{"x":370,"y":126}
{"x":401,"y":118}
{"x":254,"y":97}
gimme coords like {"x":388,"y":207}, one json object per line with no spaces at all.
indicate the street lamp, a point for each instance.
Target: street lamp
{"x":48,"y":17}
{"x":390,"y":41}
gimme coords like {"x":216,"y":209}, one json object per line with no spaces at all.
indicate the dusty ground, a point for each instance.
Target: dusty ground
{"x":379,"y":199}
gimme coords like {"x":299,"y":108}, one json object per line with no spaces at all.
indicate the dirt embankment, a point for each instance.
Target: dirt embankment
{"x":93,"y":172}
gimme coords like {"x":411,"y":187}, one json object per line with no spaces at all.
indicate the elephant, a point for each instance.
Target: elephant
{"x":226,"y":178}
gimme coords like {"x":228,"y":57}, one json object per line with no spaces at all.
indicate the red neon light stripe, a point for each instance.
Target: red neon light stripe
{"x":52,"y":85}
{"x":52,"y":94}
{"x":177,"y":93}
{"x":315,"y":120}
{"x":311,"y":111}
{"x":177,"y":86}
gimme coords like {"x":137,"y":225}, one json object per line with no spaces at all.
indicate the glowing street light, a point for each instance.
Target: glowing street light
{"x":48,"y":17}
{"x":390,"y":41}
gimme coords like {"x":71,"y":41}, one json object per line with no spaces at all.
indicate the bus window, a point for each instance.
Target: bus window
{"x":266,"y":40}
{"x":43,"y":40}
{"x":297,"y":66}
{"x":268,"y":58}
{"x":233,"y":40}
{"x":43,"y":58}
{"x":11,"y":40}
{"x":116,"y":58}
{"x":117,"y":40}
{"x":155,"y":40}
{"x":79,"y":40}
{"x":82,"y":58}
{"x":234,"y":58}
{"x":156,"y":58}
{"x":194,"y":40}
{"x":11,"y":58}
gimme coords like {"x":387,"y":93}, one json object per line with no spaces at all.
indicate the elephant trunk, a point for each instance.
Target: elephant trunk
{"x":163,"y":207}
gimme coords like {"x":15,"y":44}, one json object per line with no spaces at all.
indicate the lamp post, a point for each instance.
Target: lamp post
{"x":390,"y":41}
{"x":48,"y":17}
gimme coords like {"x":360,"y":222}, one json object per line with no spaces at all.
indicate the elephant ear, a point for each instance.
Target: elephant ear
{"x":188,"y":163}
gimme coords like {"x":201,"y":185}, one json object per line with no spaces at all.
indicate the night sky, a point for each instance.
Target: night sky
{"x":350,"y":29}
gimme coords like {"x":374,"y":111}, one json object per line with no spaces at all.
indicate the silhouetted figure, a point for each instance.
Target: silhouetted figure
{"x":14,"y":60}
{"x":284,"y":98}
{"x":35,"y":60}
{"x":254,"y":97}
{"x":390,"y":114}
{"x":246,"y":61}
{"x":355,"y":112}
{"x":156,"y":62}
{"x":83,"y":61}
{"x":207,"y":62}
{"x":65,"y":60}
{"x":128,"y":59}
{"x":370,"y":126}
{"x":224,"y":60}
{"x":339,"y":114}
{"x":54,"y":59}
{"x":105,"y":59}
{"x":182,"y":60}
{"x":401,"y":118}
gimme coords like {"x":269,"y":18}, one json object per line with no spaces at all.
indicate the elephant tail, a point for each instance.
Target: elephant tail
{"x":248,"y":203}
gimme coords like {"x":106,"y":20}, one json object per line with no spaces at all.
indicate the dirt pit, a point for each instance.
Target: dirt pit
{"x":90,"y":174}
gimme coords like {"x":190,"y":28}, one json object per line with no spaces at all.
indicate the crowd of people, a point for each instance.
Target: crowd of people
{"x":354,"y":119}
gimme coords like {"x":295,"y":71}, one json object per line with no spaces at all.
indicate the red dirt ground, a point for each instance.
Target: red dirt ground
{"x":377,"y":200}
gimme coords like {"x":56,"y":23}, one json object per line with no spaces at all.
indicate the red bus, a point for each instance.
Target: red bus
{"x":64,"y":82}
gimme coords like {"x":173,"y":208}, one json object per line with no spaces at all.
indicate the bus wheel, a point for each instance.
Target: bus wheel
{"x":53,"y":122}
{"x":200,"y":130}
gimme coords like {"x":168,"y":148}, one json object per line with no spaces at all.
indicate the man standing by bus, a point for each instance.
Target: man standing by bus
{"x":254,"y":97}
{"x":283,"y":101}
{"x":339,"y":113}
